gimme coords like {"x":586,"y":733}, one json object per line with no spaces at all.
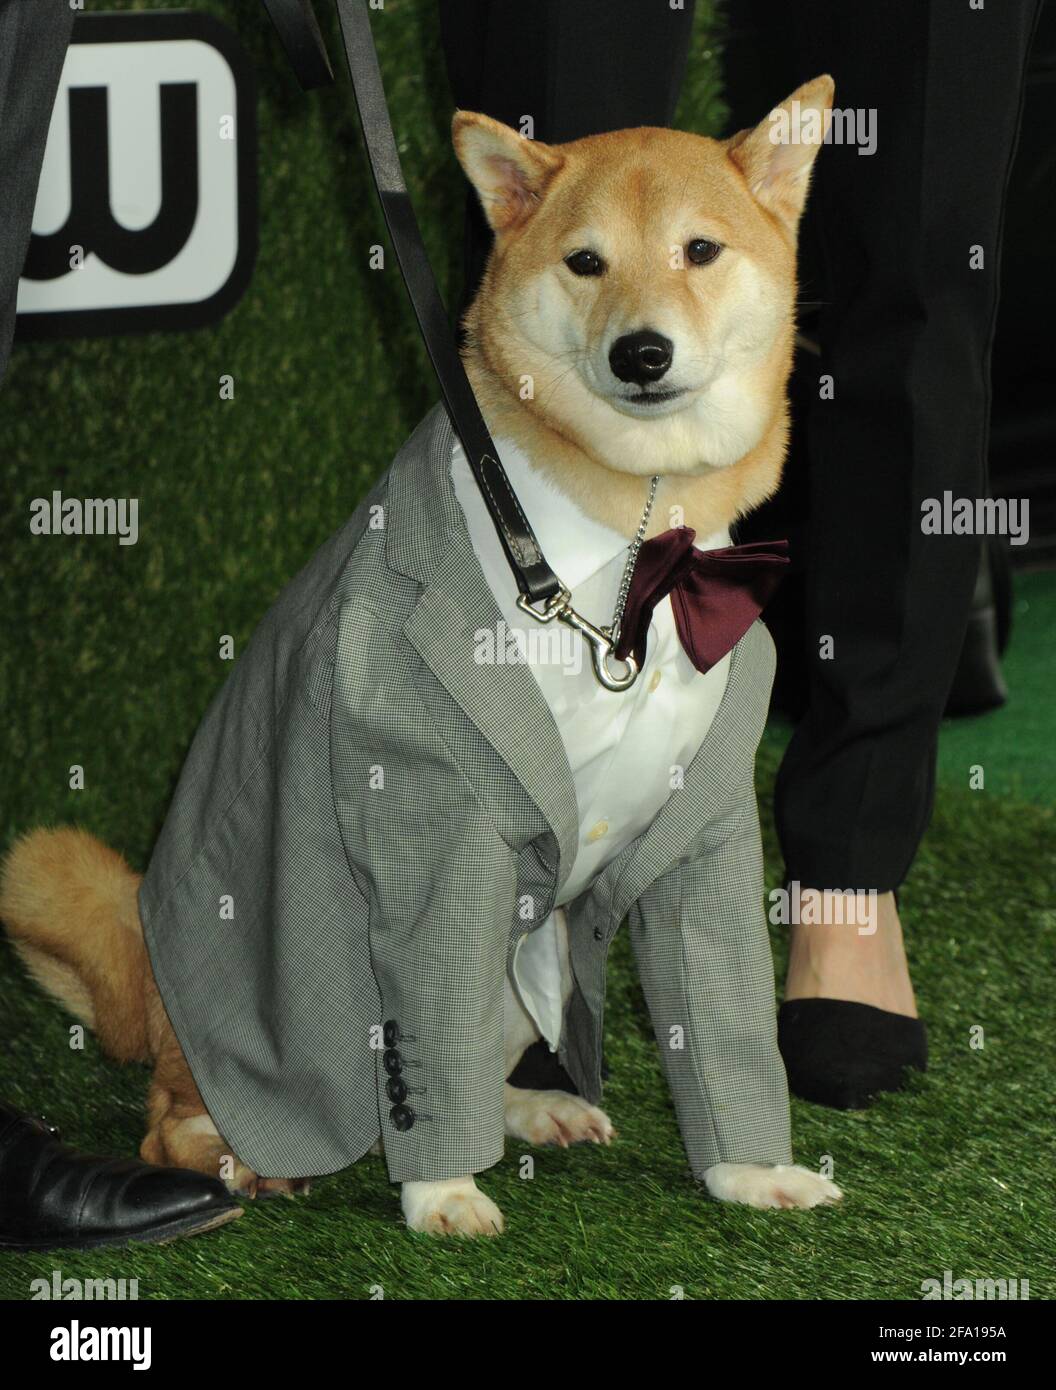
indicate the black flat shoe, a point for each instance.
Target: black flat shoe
{"x":841,"y":1054}
{"x":52,"y":1196}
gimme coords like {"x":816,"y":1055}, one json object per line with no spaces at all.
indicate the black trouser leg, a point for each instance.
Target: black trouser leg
{"x":33,"y":39}
{"x":574,"y":67}
{"x":906,"y":332}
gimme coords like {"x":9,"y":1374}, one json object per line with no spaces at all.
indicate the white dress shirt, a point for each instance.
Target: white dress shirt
{"x":626,"y":750}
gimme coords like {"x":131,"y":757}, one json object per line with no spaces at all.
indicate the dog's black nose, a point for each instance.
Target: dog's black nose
{"x":641,"y":357}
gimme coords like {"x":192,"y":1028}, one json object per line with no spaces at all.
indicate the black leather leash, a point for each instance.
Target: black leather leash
{"x":536,"y":581}
{"x":300,"y":35}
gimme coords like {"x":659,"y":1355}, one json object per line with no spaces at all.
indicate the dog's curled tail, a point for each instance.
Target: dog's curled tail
{"x":69,"y":905}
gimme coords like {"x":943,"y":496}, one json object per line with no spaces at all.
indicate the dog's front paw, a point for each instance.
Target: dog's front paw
{"x":555,"y":1117}
{"x":283,"y":1187}
{"x":760,"y":1185}
{"x":455,"y":1207}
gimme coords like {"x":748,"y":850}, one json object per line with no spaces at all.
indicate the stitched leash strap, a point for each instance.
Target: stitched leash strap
{"x":295,"y":23}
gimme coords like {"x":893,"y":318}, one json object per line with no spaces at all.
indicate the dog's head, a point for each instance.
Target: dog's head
{"x":640,"y":295}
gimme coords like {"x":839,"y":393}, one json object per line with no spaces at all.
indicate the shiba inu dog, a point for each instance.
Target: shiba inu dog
{"x":380,"y":810}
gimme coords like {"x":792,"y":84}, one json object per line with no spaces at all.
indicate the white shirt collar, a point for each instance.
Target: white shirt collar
{"x":576,"y":546}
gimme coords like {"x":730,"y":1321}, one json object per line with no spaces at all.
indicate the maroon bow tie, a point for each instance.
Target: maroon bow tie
{"x":716,"y":595}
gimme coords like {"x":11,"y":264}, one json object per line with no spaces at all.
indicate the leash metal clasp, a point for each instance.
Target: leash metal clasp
{"x":559,"y":606}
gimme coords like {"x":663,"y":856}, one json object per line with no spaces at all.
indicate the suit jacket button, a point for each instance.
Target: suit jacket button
{"x":392,"y":1061}
{"x":402,"y":1117}
{"x":391,"y":1033}
{"x":396,"y":1090}
{"x":599,"y":935}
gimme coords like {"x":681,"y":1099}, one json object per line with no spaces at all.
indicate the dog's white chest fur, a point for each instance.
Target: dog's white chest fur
{"x":627,"y":751}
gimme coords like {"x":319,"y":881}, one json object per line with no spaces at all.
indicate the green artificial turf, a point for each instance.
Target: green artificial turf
{"x":110,"y":655}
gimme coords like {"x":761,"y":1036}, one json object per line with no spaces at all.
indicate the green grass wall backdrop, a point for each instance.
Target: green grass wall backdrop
{"x":110,"y":655}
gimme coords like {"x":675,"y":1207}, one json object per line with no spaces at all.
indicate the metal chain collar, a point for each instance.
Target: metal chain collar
{"x":603,"y":640}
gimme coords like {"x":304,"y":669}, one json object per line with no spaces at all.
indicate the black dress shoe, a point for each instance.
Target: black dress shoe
{"x":841,"y":1054}
{"x":51,"y":1196}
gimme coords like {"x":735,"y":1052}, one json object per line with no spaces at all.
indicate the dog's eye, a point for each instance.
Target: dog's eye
{"x":702,"y":251}
{"x":585,"y":263}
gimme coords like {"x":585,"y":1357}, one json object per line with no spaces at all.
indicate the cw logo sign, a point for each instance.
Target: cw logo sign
{"x":146,"y":210}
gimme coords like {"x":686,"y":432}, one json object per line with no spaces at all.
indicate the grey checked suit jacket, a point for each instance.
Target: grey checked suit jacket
{"x":378,"y":810}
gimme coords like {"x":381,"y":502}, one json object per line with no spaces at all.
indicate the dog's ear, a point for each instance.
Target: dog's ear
{"x":509,"y":172}
{"x":777,"y":156}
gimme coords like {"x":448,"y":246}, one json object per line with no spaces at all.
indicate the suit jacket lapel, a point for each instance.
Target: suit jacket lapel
{"x":711,"y":780}
{"x":427,"y":539}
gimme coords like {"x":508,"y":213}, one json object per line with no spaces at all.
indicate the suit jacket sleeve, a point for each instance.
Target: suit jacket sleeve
{"x":700,"y":939}
{"x":441,"y":887}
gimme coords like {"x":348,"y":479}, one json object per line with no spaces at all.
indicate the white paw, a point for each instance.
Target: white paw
{"x":555,"y":1117}
{"x":762,"y":1185}
{"x":454,"y":1207}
